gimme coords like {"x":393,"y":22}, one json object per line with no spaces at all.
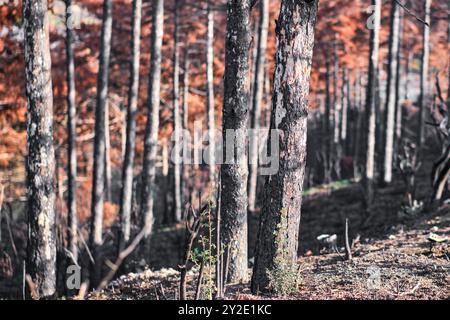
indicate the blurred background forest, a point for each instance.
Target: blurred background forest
{"x":342,"y":39}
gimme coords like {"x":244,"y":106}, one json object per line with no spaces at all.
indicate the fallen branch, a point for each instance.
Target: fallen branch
{"x":122,"y":255}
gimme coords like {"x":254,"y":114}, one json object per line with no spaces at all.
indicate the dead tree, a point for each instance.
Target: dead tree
{"x":327,"y":125}
{"x":176,"y":120}
{"x":72,"y":137}
{"x":336,"y":103}
{"x":235,"y":119}
{"x":424,"y":72}
{"x":280,"y":218}
{"x":370,"y":103}
{"x":258,"y":92}
{"x":345,"y":110}
{"x":441,"y":168}
{"x":133,"y":93}
{"x":152,"y":127}
{"x":448,"y":53}
{"x":391,"y":95}
{"x":108,"y":172}
{"x":98,"y":184}
{"x":398,"y":104}
{"x":40,"y":163}
{"x":185,"y":169}
{"x":210,"y":93}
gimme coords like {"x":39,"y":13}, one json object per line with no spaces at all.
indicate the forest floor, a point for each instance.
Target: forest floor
{"x":392,"y":256}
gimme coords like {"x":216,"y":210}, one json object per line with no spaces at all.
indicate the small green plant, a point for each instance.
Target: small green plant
{"x":204,"y":256}
{"x":284,"y":276}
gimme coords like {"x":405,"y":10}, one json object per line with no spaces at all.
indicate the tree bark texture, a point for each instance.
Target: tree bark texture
{"x":280,"y":216}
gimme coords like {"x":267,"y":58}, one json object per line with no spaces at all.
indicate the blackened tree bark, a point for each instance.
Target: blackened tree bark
{"x":424,"y":72}
{"x":108,"y":172}
{"x":151,"y":130}
{"x":258,"y":92}
{"x":185,"y":178}
{"x":448,"y":57}
{"x":336,"y":102}
{"x":72,"y":136}
{"x":210,"y":93}
{"x":398,"y":105}
{"x":391,"y":94}
{"x":176,"y":120}
{"x":327,"y":125}
{"x":133,"y":93}
{"x":370,"y":102}
{"x":344,"y":111}
{"x":280,"y":217}
{"x":235,"y":119}
{"x":98,"y":184}
{"x":41,"y":249}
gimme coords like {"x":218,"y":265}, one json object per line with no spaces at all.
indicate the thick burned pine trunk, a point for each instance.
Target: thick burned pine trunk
{"x":41,"y":249}
{"x":391,"y":95}
{"x":98,"y":184}
{"x":176,"y":121}
{"x":133,"y":93}
{"x":424,"y":72}
{"x":151,"y":130}
{"x":235,"y":118}
{"x":280,"y":218}
{"x":72,"y":137}
{"x":370,"y":103}
{"x":210,"y":93}
{"x":258,"y":92}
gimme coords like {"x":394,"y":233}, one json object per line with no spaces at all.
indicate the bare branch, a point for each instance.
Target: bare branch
{"x":411,"y":13}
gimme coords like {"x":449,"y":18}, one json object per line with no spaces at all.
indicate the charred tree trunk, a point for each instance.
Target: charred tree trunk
{"x":280,"y":217}
{"x":258,"y":92}
{"x":210,"y":94}
{"x":98,"y":184}
{"x":133,"y":94}
{"x":107,"y":155}
{"x":407,"y":74}
{"x":176,"y":121}
{"x":370,"y":103}
{"x":391,"y":94}
{"x":424,"y":73}
{"x":336,"y":102}
{"x":448,"y":57}
{"x":72,"y":137}
{"x":327,"y":124}
{"x":184,"y":180}
{"x":151,"y":130}
{"x":344,"y":113}
{"x":398,"y":105}
{"x":235,"y":119}
{"x":41,"y":248}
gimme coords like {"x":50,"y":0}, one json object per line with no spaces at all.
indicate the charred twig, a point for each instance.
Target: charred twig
{"x":348,"y":249}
